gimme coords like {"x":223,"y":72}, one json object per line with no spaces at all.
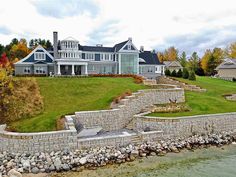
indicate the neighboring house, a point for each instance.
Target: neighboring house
{"x":70,"y":58}
{"x":227,"y":69}
{"x":173,"y":65}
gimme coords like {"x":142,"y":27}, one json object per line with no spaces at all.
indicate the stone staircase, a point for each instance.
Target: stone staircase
{"x":185,"y":86}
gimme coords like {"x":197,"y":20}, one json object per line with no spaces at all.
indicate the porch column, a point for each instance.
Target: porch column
{"x":58,"y":69}
{"x":73,"y":70}
{"x":86,"y":70}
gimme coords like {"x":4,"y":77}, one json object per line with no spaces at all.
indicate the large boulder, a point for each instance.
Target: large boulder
{"x":14,"y":173}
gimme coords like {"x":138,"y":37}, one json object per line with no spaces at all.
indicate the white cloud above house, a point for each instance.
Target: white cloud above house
{"x":189,"y":25}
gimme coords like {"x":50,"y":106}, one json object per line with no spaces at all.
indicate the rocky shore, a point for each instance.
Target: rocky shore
{"x":14,"y":164}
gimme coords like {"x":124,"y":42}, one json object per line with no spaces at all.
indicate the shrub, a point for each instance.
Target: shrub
{"x":179,"y":73}
{"x":234,"y":79}
{"x":192,"y":76}
{"x":167,"y":72}
{"x":20,"y":99}
{"x":185,"y":74}
{"x":173,"y":74}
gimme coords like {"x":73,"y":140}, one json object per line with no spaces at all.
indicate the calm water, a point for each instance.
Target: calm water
{"x":212,"y":162}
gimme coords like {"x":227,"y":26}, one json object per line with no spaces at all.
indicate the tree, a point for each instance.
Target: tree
{"x":192,"y":76}
{"x":179,"y":73}
{"x":167,"y":72}
{"x":231,"y":50}
{"x":194,"y":62}
{"x":2,"y":49}
{"x":183,"y":59}
{"x":211,"y":59}
{"x":173,"y":73}
{"x":170,"y":54}
{"x":4,"y":62}
{"x":19,"y":50}
{"x":185,"y":74}
{"x":44,"y":43}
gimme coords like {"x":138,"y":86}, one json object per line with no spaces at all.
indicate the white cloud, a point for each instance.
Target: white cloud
{"x":152,"y":23}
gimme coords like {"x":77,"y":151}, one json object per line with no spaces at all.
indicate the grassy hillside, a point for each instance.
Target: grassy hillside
{"x":209,"y":102}
{"x":67,"y":95}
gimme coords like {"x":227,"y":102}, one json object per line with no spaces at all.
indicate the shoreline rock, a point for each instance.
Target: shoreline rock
{"x":101,"y":156}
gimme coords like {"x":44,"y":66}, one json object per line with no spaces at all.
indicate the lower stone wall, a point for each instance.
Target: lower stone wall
{"x":189,"y":125}
{"x":118,"y":118}
{"x":37,"y":142}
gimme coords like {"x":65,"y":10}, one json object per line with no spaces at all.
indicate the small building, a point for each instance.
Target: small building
{"x":69,"y":57}
{"x":173,"y":65}
{"x":227,"y":69}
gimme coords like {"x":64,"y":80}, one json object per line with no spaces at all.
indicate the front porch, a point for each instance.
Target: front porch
{"x":69,"y":68}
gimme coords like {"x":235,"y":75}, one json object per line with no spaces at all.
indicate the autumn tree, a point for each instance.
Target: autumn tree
{"x":194,"y":62}
{"x":231,"y":50}
{"x":170,"y":54}
{"x":211,"y":59}
{"x":19,"y":50}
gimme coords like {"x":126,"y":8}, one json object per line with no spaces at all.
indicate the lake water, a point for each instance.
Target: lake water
{"x":211,"y":162}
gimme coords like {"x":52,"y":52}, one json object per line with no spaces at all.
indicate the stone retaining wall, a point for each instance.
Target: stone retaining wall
{"x":118,"y":118}
{"x":189,"y":125}
{"x":38,"y":142}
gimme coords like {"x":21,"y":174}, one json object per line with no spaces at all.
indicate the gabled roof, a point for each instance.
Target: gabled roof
{"x":39,"y":47}
{"x":227,"y":64}
{"x":118,"y":46}
{"x":149,"y":57}
{"x":96,"y":49}
{"x":172,"y":63}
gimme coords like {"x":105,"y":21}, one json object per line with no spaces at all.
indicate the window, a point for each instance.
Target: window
{"x":39,"y":56}
{"x":27,"y":70}
{"x":129,"y":46}
{"x":40,"y":70}
{"x":107,"y":56}
{"x":89,"y":56}
{"x":150,"y":69}
{"x":101,"y":56}
{"x":128,"y":64}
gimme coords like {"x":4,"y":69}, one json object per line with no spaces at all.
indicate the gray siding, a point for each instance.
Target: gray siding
{"x":148,"y":71}
{"x":19,"y":69}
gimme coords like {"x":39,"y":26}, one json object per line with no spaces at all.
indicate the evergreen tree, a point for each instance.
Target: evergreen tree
{"x":173,"y":73}
{"x":192,"y":76}
{"x":167,"y":72}
{"x":183,"y":59}
{"x":179,"y":73}
{"x":185,"y":74}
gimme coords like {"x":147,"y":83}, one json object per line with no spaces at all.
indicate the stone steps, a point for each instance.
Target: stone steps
{"x":136,"y":139}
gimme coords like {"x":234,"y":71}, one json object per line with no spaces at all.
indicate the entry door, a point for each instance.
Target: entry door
{"x":77,"y":70}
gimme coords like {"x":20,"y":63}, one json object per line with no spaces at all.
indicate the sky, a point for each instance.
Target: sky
{"x":189,"y":25}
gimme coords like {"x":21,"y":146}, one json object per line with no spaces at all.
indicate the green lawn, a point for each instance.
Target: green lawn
{"x":67,"y":95}
{"x":209,"y":102}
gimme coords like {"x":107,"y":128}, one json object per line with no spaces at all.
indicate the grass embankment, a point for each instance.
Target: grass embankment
{"x":209,"y":102}
{"x":66,"y":95}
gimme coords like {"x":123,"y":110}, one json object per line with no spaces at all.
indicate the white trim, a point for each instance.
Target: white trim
{"x":131,"y":43}
{"x":31,"y":53}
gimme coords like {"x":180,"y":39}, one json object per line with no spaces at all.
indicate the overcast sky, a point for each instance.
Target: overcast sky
{"x":189,"y":25}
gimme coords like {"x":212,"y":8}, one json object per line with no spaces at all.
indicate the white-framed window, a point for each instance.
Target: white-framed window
{"x":150,"y":69}
{"x":107,"y":57}
{"x":26,"y":70}
{"x":101,"y":56}
{"x":89,"y":56}
{"x":40,"y":70}
{"x":39,"y":56}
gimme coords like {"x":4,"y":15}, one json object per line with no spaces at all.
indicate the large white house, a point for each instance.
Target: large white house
{"x":69,"y":57}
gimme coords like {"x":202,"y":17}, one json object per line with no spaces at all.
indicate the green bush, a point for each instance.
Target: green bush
{"x":192,"y":76}
{"x":185,"y":74}
{"x":179,"y":73}
{"x":167,"y":72}
{"x":234,"y":79}
{"x":173,"y":74}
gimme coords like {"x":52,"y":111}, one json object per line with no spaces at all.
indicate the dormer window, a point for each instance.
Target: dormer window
{"x":39,"y":56}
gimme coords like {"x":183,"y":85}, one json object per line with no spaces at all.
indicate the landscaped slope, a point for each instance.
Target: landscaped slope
{"x":67,"y":95}
{"x":209,"y":102}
